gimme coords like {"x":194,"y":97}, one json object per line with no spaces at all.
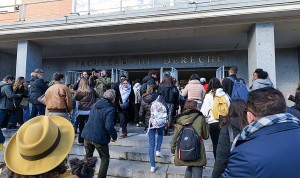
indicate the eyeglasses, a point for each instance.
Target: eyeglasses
{"x":248,"y":110}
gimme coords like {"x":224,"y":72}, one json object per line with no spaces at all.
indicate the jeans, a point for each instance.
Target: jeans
{"x":82,"y":121}
{"x":193,"y":172}
{"x":123,"y":121}
{"x":12,"y":118}
{"x":37,"y":109}
{"x":214,"y":132}
{"x":103,"y":151}
{"x":151,"y":135}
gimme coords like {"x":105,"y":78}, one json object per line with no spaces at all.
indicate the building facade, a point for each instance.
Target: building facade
{"x":135,"y":36}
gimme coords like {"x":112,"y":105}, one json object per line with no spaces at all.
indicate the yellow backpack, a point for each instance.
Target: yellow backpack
{"x":220,"y":107}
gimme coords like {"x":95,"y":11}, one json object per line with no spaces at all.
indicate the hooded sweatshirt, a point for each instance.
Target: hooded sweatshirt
{"x":261,"y":83}
{"x":208,"y":104}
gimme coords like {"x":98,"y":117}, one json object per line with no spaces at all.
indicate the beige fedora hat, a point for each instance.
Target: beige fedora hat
{"x":40,"y":145}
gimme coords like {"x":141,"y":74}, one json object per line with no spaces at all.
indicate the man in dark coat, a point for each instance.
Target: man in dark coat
{"x":150,"y":79}
{"x":99,"y":130}
{"x":38,"y":87}
{"x":6,"y":101}
{"x":269,"y":145}
{"x":227,"y":84}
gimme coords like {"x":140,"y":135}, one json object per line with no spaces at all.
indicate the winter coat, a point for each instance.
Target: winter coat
{"x":148,"y":80}
{"x":270,"y":152}
{"x":261,"y":83}
{"x":201,"y":127}
{"x":102,"y":84}
{"x":227,"y":84}
{"x":194,"y":91}
{"x":58,"y":97}
{"x":23,"y":92}
{"x":38,"y":87}
{"x":208,"y":104}
{"x":7,"y":96}
{"x":85,"y":100}
{"x":146,"y":105}
{"x":170,"y":94}
{"x":223,"y":148}
{"x":100,"y":126}
{"x":296,"y":100}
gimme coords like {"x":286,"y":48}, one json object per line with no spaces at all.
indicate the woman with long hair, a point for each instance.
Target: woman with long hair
{"x":231,"y":126}
{"x":85,"y":97}
{"x":214,"y":90}
{"x":20,"y":88}
{"x":170,"y":93}
{"x":191,"y":115}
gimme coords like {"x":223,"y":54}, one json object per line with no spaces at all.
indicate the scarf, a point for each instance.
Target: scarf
{"x":263,"y":122}
{"x":125,"y":92}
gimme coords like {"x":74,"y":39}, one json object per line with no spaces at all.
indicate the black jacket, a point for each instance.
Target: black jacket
{"x":146,"y":105}
{"x":147,"y":81}
{"x":100,"y":126}
{"x":296,"y":100}
{"x":118,"y":100}
{"x":38,"y":87}
{"x":170,"y":94}
{"x":227,"y":84}
{"x":223,"y":148}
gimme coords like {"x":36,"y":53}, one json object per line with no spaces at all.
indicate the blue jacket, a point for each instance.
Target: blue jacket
{"x":271,"y":152}
{"x":100,"y":126}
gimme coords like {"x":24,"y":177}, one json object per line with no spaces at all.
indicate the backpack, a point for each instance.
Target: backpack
{"x":159,"y":115}
{"x":188,"y":144}
{"x":239,"y":90}
{"x":220,"y":107}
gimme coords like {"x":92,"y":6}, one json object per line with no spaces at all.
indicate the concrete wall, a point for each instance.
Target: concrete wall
{"x":7,"y":65}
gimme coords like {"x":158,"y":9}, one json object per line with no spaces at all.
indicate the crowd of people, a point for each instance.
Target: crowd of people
{"x":243,"y":124}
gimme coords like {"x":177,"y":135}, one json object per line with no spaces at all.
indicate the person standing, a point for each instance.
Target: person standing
{"x":85,"y":98}
{"x":124,"y":98}
{"x":295,"y":98}
{"x":20,"y":88}
{"x":269,"y":145}
{"x":193,"y":116}
{"x":231,"y":126}
{"x":103,"y":83}
{"x":58,"y":98}
{"x":214,"y":90}
{"x":100,"y":130}
{"x":137,"y":102}
{"x":150,"y":79}
{"x":260,"y":80}
{"x":38,"y":87}
{"x":227,"y":83}
{"x":6,"y":101}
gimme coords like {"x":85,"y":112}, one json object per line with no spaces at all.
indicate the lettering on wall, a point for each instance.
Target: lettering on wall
{"x":144,"y":61}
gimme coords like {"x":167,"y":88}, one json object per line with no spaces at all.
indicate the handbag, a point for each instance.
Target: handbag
{"x":24,"y":103}
{"x":124,"y":105}
{"x":42,"y":99}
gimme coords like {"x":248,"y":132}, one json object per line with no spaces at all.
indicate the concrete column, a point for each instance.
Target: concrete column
{"x":29,"y":58}
{"x":7,"y":65}
{"x":261,"y":50}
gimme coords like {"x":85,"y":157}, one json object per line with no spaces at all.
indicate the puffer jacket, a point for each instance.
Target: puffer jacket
{"x":261,"y":83}
{"x":223,"y":148}
{"x":85,"y":100}
{"x":146,"y":105}
{"x":201,"y":127}
{"x":194,"y":91}
{"x":100,"y":126}
{"x":7,"y":96}
{"x":38,"y":87}
{"x":58,"y":97}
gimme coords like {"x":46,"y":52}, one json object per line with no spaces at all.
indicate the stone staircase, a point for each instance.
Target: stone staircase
{"x":129,"y":158}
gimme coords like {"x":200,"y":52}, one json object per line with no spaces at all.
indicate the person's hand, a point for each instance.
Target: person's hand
{"x":287,"y":95}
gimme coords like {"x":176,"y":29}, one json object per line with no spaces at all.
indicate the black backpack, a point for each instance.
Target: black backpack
{"x":188,"y":143}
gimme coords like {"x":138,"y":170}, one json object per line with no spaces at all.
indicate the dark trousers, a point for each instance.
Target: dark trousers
{"x":136,"y":112}
{"x":103,"y":151}
{"x":37,"y":109}
{"x":82,"y":121}
{"x":214,"y":131}
{"x":7,"y":114}
{"x":123,"y":121}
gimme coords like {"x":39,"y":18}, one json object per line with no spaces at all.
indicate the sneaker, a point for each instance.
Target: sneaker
{"x":158,"y":154}
{"x":123,"y":136}
{"x":152,"y":169}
